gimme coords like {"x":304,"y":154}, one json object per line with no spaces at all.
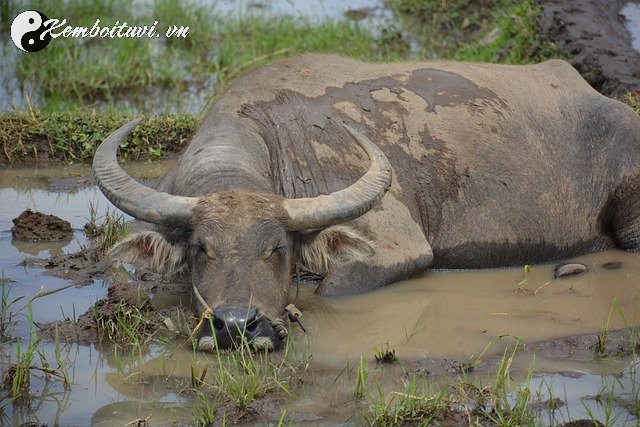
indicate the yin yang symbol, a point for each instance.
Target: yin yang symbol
{"x":26,"y":30}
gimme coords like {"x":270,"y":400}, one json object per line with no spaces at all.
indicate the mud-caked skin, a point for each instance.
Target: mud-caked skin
{"x":491,"y":166}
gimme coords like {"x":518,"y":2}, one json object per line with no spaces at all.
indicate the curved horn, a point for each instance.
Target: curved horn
{"x":350,"y":203}
{"x":132,"y":197}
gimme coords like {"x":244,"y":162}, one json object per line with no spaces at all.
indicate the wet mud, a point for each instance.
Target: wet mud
{"x":84,"y":266}
{"x":122,"y":298}
{"x":36,"y":226}
{"x":593,"y":37}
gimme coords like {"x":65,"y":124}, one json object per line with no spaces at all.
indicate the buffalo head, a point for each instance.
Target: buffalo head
{"x":240,"y":247}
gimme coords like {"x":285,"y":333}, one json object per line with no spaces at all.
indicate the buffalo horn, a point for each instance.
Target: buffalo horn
{"x":349,"y":203}
{"x":130,"y":196}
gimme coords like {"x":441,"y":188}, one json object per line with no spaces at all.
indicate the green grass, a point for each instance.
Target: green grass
{"x":73,"y":72}
{"x":233,"y":380}
{"x":74,"y":136}
{"x":16,"y":380}
{"x":513,"y":37}
{"x":505,"y":32}
{"x":128,"y":324}
{"x":106,"y":230}
{"x":632,"y":100}
{"x":463,"y":400}
{"x":180,"y":74}
{"x":81,"y":82}
{"x":7,"y":321}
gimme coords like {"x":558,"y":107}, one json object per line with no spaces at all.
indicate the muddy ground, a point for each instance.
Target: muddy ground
{"x":592,"y":36}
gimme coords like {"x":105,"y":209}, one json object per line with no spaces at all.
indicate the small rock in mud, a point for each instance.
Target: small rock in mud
{"x":38,"y":226}
{"x":569,"y":268}
{"x":612,"y":265}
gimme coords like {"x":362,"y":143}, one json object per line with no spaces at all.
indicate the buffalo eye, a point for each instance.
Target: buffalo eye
{"x":197,"y":250}
{"x":277,"y":250}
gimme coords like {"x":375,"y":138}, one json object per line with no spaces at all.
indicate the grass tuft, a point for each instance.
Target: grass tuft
{"x":236,"y":379}
{"x":74,"y":136}
{"x":105,"y":231}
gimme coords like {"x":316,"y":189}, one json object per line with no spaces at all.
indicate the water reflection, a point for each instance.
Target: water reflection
{"x":40,"y":248}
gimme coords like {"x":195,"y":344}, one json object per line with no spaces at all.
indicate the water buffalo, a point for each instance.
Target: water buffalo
{"x":488,"y":166}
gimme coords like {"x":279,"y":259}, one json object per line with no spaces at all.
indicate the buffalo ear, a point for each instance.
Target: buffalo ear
{"x":159,"y":252}
{"x":322,"y":251}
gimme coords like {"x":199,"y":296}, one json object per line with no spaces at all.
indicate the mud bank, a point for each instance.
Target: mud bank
{"x":595,"y":37}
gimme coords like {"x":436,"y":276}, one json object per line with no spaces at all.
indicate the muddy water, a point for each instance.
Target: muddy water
{"x":443,"y":316}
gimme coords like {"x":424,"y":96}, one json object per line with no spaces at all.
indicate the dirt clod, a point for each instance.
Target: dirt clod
{"x":32,"y":225}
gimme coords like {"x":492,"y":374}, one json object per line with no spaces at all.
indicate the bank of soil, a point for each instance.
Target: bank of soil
{"x":593,"y":37}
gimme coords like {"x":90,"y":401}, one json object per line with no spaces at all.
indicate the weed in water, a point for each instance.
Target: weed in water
{"x":601,"y":345}
{"x":601,"y":349}
{"x":511,"y":408}
{"x":385,"y":355}
{"x":471,"y":362}
{"x":107,"y":230}
{"x":205,"y":408}
{"x":525,"y":278}
{"x":418,"y":402}
{"x":606,"y":400}
{"x":130,"y":328}
{"x":241,"y":376}
{"x":459,"y":401}
{"x":361,"y":389}
{"x":6,"y":316}
{"x":17,"y":379}
{"x":127,"y":324}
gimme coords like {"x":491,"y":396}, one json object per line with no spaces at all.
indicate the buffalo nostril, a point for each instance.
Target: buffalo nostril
{"x":252,"y":325}
{"x":231,"y":326}
{"x":234,"y":320}
{"x":218,"y":324}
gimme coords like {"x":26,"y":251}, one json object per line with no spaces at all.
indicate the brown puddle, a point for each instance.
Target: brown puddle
{"x":433,"y":322}
{"x":451,"y":314}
